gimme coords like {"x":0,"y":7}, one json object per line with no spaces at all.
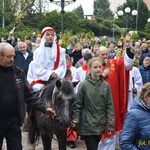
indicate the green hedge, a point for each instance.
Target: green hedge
{"x":143,"y":35}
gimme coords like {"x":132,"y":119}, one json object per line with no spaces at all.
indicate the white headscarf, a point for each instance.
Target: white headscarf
{"x":40,"y":56}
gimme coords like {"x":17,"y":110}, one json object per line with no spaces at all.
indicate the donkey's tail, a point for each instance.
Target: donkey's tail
{"x":34,"y":135}
{"x":34,"y":132}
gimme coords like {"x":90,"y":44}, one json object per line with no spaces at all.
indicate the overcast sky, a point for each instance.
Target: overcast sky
{"x":87,"y":6}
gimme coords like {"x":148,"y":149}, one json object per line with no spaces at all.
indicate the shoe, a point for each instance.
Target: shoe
{"x":81,"y":138}
{"x":72,"y":144}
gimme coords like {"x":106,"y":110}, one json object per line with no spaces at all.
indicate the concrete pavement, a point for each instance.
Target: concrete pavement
{"x":79,"y":144}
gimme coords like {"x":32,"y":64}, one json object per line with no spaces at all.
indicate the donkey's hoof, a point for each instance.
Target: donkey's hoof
{"x":31,"y":147}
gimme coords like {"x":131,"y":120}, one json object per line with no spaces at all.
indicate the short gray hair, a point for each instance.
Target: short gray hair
{"x":85,"y":50}
{"x":2,"y":47}
{"x":22,"y":43}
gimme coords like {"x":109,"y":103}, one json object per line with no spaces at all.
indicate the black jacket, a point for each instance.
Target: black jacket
{"x":25,"y":94}
{"x":21,"y":62}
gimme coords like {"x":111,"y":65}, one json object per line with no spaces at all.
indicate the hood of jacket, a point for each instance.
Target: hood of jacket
{"x":94,"y":81}
{"x":137,"y":104}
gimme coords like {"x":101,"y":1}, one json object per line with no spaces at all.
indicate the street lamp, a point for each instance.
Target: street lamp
{"x":3,"y":16}
{"x":62,"y":3}
{"x":148,"y":20}
{"x":127,"y":12}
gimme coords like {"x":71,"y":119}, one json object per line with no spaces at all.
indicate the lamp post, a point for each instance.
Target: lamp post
{"x":127,"y":13}
{"x":137,"y":14}
{"x":148,"y":20}
{"x":62,"y":4}
{"x":3,"y":17}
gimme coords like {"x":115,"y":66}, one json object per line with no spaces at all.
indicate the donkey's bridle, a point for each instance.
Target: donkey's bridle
{"x":53,"y":102}
{"x":57,"y":118}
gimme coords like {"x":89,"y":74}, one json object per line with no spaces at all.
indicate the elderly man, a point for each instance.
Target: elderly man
{"x":23,"y":57}
{"x":48,"y":61}
{"x":14,"y":92}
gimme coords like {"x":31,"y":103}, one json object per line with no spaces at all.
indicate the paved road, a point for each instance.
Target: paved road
{"x":79,"y":144}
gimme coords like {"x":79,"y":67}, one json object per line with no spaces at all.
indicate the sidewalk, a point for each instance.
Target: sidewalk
{"x":79,"y":144}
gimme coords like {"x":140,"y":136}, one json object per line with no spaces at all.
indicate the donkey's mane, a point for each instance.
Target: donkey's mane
{"x":66,"y":88}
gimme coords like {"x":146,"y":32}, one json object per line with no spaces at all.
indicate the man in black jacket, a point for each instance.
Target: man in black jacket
{"x":14,"y":92}
{"x":23,"y":57}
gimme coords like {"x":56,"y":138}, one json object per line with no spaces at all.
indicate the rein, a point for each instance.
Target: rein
{"x":53,"y":98}
{"x":53,"y":102}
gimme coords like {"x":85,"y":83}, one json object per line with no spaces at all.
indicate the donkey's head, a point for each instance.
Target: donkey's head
{"x":62,"y":99}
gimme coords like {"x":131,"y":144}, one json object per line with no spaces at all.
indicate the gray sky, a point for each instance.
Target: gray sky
{"x":87,"y":5}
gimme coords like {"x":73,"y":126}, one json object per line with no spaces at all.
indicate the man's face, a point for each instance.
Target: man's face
{"x":7,"y":58}
{"x":49,"y":37}
{"x":103,"y":54}
{"x":22,"y":48}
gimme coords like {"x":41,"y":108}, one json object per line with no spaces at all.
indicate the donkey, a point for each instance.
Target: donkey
{"x":59,"y":96}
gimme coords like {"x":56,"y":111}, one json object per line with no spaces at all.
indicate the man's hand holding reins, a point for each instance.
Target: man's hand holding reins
{"x":50,"y":112}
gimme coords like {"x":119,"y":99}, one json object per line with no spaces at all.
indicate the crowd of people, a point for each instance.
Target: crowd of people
{"x":112,"y":86}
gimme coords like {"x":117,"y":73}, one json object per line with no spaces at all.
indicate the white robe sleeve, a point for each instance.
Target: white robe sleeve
{"x":128,"y":62}
{"x":138,"y":83}
{"x":37,"y":71}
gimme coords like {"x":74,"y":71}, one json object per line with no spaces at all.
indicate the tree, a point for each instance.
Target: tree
{"x":147,"y":28}
{"x":41,"y":6}
{"x":34,"y":11}
{"x":52,"y":19}
{"x":7,"y":12}
{"x":79,"y":12}
{"x":71,"y":21}
{"x":88,"y":25}
{"x":143,"y":13}
{"x":101,"y":9}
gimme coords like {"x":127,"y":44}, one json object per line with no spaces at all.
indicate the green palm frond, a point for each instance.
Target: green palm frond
{"x":65,"y":40}
{"x":122,"y":31}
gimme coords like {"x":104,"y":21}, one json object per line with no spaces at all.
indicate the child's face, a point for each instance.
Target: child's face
{"x":96,"y":68}
{"x":49,"y":37}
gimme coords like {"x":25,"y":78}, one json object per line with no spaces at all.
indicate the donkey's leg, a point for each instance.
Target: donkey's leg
{"x":61,"y":136}
{"x":32,"y":137}
{"x":46,"y":140}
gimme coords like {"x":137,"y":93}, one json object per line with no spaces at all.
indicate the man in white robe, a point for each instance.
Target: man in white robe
{"x":48,"y":61}
{"x":135,"y":85}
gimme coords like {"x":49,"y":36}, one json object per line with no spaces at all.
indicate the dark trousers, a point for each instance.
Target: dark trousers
{"x":91,"y":141}
{"x":10,"y":130}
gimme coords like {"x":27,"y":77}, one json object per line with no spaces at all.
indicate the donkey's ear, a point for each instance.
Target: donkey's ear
{"x":58,"y":83}
{"x":74,"y":83}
